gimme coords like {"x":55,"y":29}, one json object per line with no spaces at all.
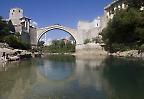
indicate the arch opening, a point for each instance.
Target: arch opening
{"x":42,"y":34}
{"x":66,"y":43}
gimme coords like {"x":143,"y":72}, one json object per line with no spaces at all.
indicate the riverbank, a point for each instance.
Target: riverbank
{"x":130,"y":53}
{"x":17,"y":54}
{"x":9,"y":54}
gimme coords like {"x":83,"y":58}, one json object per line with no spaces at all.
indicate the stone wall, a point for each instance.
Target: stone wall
{"x":90,"y":49}
{"x":89,"y":29}
{"x":25,"y":37}
{"x":33,"y":35}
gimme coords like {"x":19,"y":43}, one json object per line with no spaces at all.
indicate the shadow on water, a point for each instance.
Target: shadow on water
{"x":124,"y":77}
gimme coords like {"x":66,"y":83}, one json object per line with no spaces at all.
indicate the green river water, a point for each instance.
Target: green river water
{"x":70,"y":77}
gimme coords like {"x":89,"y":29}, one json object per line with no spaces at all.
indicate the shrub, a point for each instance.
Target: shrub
{"x":15,"y":42}
{"x":87,"y":41}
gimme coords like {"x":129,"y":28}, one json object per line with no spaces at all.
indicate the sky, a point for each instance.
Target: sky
{"x":64,"y":12}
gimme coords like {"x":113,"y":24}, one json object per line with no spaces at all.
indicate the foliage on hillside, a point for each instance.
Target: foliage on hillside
{"x":125,"y":31}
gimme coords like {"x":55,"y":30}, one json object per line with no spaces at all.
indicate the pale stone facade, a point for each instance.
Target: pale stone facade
{"x":23,"y":25}
{"x":33,"y":35}
{"x":110,"y":9}
{"x":89,"y":29}
{"x":14,"y":15}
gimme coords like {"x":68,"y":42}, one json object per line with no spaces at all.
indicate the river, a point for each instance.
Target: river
{"x":70,"y":77}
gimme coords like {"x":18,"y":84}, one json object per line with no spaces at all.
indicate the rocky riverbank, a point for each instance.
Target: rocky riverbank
{"x":130,"y":53}
{"x":9,"y":54}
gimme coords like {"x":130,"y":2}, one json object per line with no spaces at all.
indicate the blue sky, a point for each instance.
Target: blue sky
{"x":48,"y":12}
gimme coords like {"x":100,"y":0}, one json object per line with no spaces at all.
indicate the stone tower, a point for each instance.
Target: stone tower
{"x":15,"y":15}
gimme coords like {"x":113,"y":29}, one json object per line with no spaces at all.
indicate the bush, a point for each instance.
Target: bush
{"x":87,"y":41}
{"x":97,"y":40}
{"x":15,"y":42}
{"x":119,"y":47}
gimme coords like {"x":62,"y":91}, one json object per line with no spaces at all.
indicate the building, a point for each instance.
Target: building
{"x":14,"y":15}
{"x":89,"y":29}
{"x":110,"y":9}
{"x":23,"y":25}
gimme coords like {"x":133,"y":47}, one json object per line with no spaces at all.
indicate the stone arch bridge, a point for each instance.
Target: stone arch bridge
{"x":75,"y":33}
{"x":72,"y":32}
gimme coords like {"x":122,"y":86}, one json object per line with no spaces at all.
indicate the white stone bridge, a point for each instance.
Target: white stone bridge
{"x":80,"y":34}
{"x":72,"y":32}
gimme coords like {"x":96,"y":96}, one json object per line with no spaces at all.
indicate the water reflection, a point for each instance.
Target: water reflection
{"x":3,"y":66}
{"x":58,"y":70}
{"x":16,"y":80}
{"x":89,"y":70}
{"x":69,"y":77}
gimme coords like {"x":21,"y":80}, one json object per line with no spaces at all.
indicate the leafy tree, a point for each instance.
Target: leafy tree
{"x":137,"y":4}
{"x":11,"y":27}
{"x":59,"y":46}
{"x":8,"y":35}
{"x":41,"y":43}
{"x":17,"y":34}
{"x":126,"y":28}
{"x":1,"y":17}
{"x":87,"y":41}
{"x":97,"y":39}
{"x":16,"y":42}
{"x":4,"y":29}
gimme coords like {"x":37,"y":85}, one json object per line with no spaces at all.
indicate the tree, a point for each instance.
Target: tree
{"x":41,"y":43}
{"x":126,"y":28}
{"x":87,"y":41}
{"x":8,"y":35}
{"x":11,"y":26}
{"x":137,"y":4}
{"x":59,"y":46}
{"x":1,"y":17}
{"x":4,"y":29}
{"x":140,"y":28}
{"x":16,"y":42}
{"x":134,"y":3}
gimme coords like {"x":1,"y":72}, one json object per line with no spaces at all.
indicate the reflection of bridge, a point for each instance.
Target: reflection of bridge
{"x":72,"y":32}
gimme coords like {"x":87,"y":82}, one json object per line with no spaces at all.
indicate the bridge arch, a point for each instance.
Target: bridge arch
{"x":42,"y":31}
